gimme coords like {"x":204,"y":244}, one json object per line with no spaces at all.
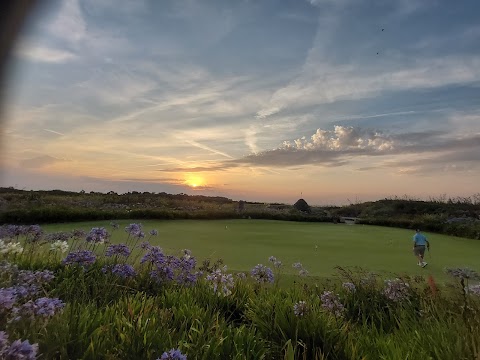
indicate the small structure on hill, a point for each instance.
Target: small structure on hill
{"x":302,"y":205}
{"x":241,"y":206}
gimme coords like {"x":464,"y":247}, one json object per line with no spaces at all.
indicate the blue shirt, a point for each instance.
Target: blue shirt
{"x":419,"y":239}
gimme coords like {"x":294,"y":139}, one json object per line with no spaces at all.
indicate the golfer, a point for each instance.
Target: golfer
{"x":420,"y":242}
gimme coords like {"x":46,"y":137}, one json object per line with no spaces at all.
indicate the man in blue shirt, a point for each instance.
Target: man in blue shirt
{"x":419,"y":244}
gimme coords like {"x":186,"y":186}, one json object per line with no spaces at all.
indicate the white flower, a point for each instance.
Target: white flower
{"x":10,"y":248}
{"x":59,"y":245}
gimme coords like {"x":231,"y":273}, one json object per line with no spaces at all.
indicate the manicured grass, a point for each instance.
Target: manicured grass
{"x":318,"y":246}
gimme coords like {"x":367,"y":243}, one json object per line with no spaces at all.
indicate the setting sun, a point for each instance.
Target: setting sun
{"x":194,"y":181}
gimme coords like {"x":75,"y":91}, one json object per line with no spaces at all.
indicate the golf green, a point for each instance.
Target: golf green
{"x":320,"y":247}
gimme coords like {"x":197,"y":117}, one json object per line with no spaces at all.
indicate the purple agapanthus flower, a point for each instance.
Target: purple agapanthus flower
{"x":20,"y":350}
{"x":57,"y":236}
{"x":27,"y":277}
{"x":300,"y":308}
{"x":153,"y":232}
{"x":332,"y":304}
{"x":3,"y":341}
{"x":7,"y":299}
{"x":114,"y":225}
{"x":134,"y":230}
{"x":145,"y":245}
{"x":221,"y":282}
{"x":297,"y":265}
{"x":44,"y":307}
{"x":262,"y":274}
{"x":349,"y":286}
{"x":154,"y":255}
{"x":97,"y":235}
{"x":122,"y":270}
{"x":474,"y":289}
{"x":396,"y":290}
{"x":463,"y":273}
{"x":118,"y":250}
{"x":174,"y":354}
{"x":80,"y":257}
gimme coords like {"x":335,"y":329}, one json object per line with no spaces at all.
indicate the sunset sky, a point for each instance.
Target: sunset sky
{"x":264,"y":100}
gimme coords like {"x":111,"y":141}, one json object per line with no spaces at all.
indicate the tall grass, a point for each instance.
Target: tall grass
{"x":357,"y":316}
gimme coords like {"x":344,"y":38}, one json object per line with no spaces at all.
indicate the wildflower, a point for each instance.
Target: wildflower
{"x":272,"y":259}
{"x":97,"y":235}
{"x":474,"y":289}
{"x":120,"y":249}
{"x":297,"y":266}
{"x":7,"y":299}
{"x":174,"y":354}
{"x":3,"y":340}
{"x":221,"y":282}
{"x":396,"y":290}
{"x":78,"y":233}
{"x":114,"y":225}
{"x":262,"y":274}
{"x":332,"y":304}
{"x":349,"y":286}
{"x":303,"y":272}
{"x":80,"y":257}
{"x":153,"y":232}
{"x":27,"y":277}
{"x":241,"y":275}
{"x":122,"y":270}
{"x":145,"y":245}
{"x":134,"y":230}
{"x":59,"y":245}
{"x":153,"y":255}
{"x":463,"y":273}
{"x":57,"y":236}
{"x":432,"y":285}
{"x":20,"y":350}
{"x":300,"y":309}
{"x":10,"y":247}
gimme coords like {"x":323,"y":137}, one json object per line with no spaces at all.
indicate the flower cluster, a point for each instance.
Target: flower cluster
{"x":118,"y":250}
{"x":32,"y":233}
{"x":221,"y":282}
{"x":122,"y":270}
{"x":396,"y":290}
{"x":28,"y":278}
{"x":349,"y":286}
{"x":114,"y":225}
{"x":276,"y":263}
{"x":98,"y":235}
{"x":463,"y":273}
{"x":59,"y":245}
{"x":241,"y":275}
{"x":169,"y":268}
{"x":21,"y":350}
{"x":300,"y":309}
{"x":60,"y":236}
{"x":474,"y":289}
{"x":82,"y":258}
{"x":44,"y":307}
{"x":135,"y":230}
{"x":78,"y":234}
{"x":174,"y":354}
{"x":10,"y":248}
{"x":301,"y":270}
{"x":153,"y":232}
{"x":332,"y":304}
{"x":262,"y":274}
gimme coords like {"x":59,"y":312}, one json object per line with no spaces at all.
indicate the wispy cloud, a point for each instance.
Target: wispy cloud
{"x":41,"y":161}
{"x":44,"y":54}
{"x":53,"y":132}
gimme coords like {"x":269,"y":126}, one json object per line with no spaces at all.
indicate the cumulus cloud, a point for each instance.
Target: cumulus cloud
{"x":344,"y":144}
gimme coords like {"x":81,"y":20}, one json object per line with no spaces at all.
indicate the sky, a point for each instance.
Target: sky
{"x":333,"y":101}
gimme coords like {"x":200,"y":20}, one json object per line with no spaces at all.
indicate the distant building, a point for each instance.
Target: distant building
{"x":302,"y":205}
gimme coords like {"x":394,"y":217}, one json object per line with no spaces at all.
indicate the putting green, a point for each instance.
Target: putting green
{"x":318,"y":246}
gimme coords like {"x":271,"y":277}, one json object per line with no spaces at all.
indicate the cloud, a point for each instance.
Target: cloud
{"x":41,"y":161}
{"x":44,"y":54}
{"x":53,"y":132}
{"x":69,"y":24}
{"x":344,"y":145}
